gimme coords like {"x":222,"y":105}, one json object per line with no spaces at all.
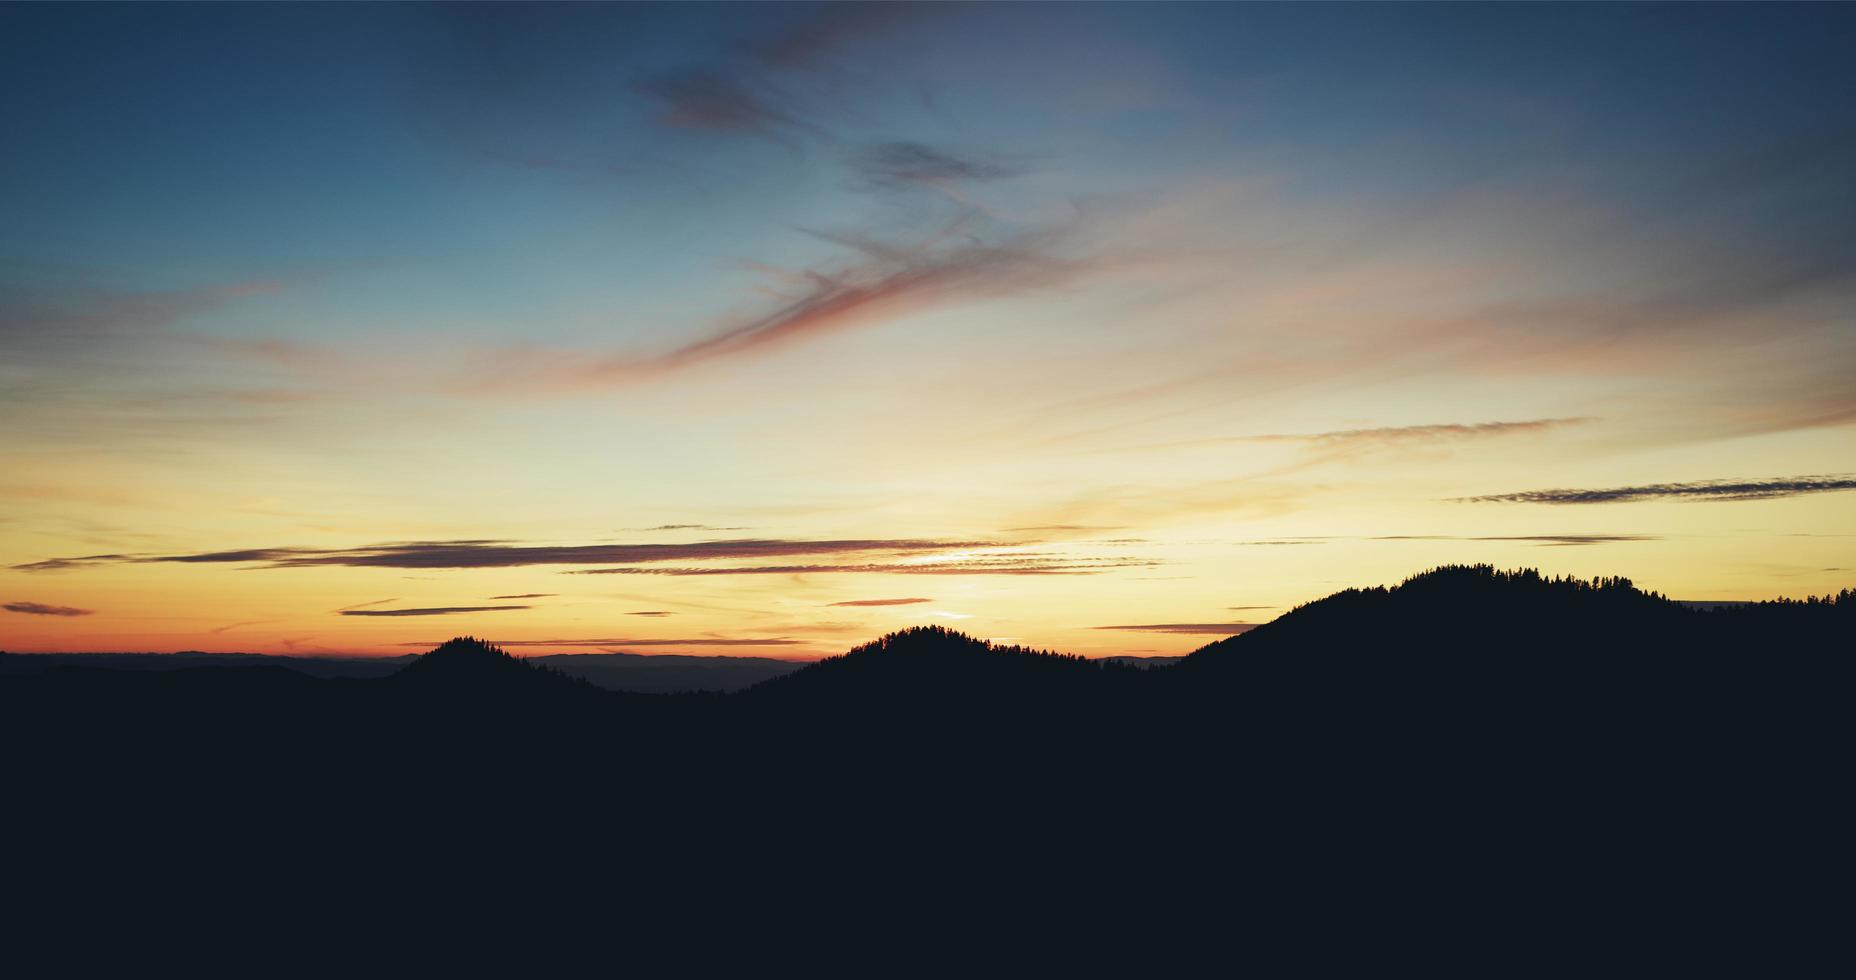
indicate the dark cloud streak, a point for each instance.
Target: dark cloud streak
{"x":1428,"y":433}
{"x":1545,"y":540}
{"x":62,"y":564}
{"x":434,"y":611}
{"x":364,"y":605}
{"x":41,"y":609}
{"x":1055,"y":566}
{"x":889,"y":164}
{"x":1700,"y":490}
{"x":752,"y":91}
{"x":701,"y":641}
{"x":1194,"y":629}
{"x":480,"y":553}
{"x":697,"y":98}
{"x":900,"y":282}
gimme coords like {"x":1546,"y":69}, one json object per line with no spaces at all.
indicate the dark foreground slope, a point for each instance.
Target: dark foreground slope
{"x":1466,"y":736}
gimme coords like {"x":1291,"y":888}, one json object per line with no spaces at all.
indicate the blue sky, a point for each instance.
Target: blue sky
{"x":195,"y":141}
{"x":1203,"y":274}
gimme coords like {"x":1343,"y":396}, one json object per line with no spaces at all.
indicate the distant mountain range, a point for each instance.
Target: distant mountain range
{"x":638,"y":672}
{"x":643,"y":673}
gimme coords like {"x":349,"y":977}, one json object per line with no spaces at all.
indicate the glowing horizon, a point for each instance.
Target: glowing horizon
{"x":766,"y":330}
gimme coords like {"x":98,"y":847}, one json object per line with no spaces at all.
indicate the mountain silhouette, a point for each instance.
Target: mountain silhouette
{"x":480,"y":692}
{"x":931,"y":659}
{"x":1408,"y":736}
{"x":1481,"y":621}
{"x":937,"y":690}
{"x":468,"y":661}
{"x":1468,"y":609}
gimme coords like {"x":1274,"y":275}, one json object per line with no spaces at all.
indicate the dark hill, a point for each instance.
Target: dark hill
{"x":469,"y":664}
{"x":1463,"y":609}
{"x":1497,"y":671}
{"x":933,"y":697}
{"x":1479,"y":612}
{"x":472,"y":691}
{"x":933,"y":661}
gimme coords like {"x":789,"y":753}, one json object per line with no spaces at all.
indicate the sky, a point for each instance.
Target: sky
{"x":763,"y":330}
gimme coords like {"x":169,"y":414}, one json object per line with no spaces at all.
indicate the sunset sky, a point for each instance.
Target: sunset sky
{"x":764,"y":330}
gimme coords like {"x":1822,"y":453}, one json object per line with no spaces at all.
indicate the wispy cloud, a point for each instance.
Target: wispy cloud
{"x":1701,"y":490}
{"x":936,"y":257}
{"x":606,"y":642}
{"x":478,"y":553}
{"x":89,"y":316}
{"x":1341,"y":443}
{"x":885,"y":282}
{"x":652,"y":613}
{"x":1545,"y":540}
{"x":1540,"y":539}
{"x":705,"y":641}
{"x":891,"y":164}
{"x":977,"y":566}
{"x":526,"y":595}
{"x":432,"y":611}
{"x":1197,"y":629}
{"x":879,"y":602}
{"x":810,"y":43}
{"x":700,"y":98}
{"x":364,"y":605}
{"x":65,"y":564}
{"x":754,"y":90}
{"x":1408,"y":434}
{"x":41,"y":609}
{"x":1058,"y":528}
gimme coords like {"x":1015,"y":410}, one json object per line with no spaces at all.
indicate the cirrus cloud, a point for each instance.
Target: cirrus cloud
{"x":1700,"y":490}
{"x":1056,"y":565}
{"x":41,"y":609}
{"x":431,"y":611}
{"x":1194,"y":629}
{"x":604,"y":642}
{"x":483,"y":553}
